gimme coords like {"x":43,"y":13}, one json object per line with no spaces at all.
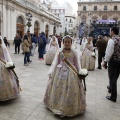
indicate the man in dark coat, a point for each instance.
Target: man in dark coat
{"x":101,"y":45}
{"x":17,"y":42}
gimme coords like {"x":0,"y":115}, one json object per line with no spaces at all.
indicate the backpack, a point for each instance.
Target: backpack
{"x":41,"y":42}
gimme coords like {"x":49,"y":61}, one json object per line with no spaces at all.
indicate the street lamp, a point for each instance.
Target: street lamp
{"x":89,"y":14}
{"x":54,"y":29}
{"x":29,"y":18}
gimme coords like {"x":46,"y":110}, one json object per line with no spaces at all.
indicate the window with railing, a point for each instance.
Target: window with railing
{"x":95,"y":7}
{"x":84,"y":8}
{"x":105,"y":8}
{"x":115,"y":7}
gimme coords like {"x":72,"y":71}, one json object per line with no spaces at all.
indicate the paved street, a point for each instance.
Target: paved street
{"x":33,"y":81}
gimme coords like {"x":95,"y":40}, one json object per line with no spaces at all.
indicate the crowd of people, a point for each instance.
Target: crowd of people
{"x":65,"y":94}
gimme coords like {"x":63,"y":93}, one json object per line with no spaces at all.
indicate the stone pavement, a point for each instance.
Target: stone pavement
{"x":33,"y":81}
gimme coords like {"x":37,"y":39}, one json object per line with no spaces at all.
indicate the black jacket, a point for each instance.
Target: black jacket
{"x":17,"y":41}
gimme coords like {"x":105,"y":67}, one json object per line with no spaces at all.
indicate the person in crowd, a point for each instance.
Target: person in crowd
{"x":101,"y":45}
{"x":52,"y":49}
{"x":41,"y":44}
{"x":106,"y":38}
{"x":94,"y":40}
{"x":87,"y":60}
{"x":34,"y":44}
{"x":30,"y":41}
{"x":83,"y":43}
{"x":9,"y":83}
{"x":48,"y":41}
{"x":26,"y":48}
{"x":17,"y":41}
{"x":112,"y":56}
{"x":65,"y":95}
{"x":59,"y":40}
{"x":6,"y":42}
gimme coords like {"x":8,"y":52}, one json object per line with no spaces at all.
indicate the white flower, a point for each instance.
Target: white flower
{"x":9,"y":64}
{"x":93,"y":54}
{"x":83,"y":72}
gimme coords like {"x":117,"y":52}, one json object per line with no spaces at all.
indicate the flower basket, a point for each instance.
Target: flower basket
{"x":29,"y":24}
{"x":93,"y":54}
{"x":82,"y":75}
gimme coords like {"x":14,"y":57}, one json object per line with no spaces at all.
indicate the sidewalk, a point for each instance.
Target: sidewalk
{"x":33,"y":81}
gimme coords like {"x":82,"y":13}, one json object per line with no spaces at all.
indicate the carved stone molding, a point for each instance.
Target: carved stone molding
{"x":8,"y":7}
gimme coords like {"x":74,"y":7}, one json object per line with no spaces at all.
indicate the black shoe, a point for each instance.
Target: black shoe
{"x":109,"y":90}
{"x":98,"y":67}
{"x":30,"y":61}
{"x":109,"y":98}
{"x":15,"y":53}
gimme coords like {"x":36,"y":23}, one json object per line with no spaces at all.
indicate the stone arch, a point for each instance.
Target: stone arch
{"x":104,"y":17}
{"x":20,"y":25}
{"x":84,"y":19}
{"x":47,"y":30}
{"x":115,"y":18}
{"x":36,"y":28}
{"x":94,"y":18}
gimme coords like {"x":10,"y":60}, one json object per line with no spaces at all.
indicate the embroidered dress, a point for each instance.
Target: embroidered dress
{"x":87,"y":60}
{"x":52,"y":49}
{"x":65,"y":94}
{"x":9,"y":88}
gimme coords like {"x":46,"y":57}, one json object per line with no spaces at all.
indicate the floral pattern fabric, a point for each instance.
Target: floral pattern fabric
{"x":87,"y":60}
{"x":51,"y":53}
{"x":8,"y":85}
{"x":65,"y":94}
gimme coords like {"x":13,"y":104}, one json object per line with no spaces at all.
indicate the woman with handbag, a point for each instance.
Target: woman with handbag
{"x":9,"y":84}
{"x":65,"y":95}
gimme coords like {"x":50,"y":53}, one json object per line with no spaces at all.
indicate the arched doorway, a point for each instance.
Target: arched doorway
{"x":84,"y":19}
{"x":20,"y":26}
{"x":47,"y":30}
{"x":36,"y":28}
{"x":104,"y":17}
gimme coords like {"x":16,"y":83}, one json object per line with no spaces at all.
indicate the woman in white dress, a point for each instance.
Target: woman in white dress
{"x":65,"y":95}
{"x":52,"y":49}
{"x":84,"y":41}
{"x":87,"y":60}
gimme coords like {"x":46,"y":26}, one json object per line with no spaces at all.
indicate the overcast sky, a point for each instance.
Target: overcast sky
{"x":73,"y":4}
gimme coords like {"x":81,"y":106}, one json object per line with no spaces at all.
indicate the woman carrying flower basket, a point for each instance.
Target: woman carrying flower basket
{"x":65,"y":95}
{"x":88,"y":56}
{"x":9,"y":83}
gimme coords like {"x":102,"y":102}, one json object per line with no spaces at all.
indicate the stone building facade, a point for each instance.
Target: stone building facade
{"x":13,"y":18}
{"x":92,"y":10}
{"x":70,"y":25}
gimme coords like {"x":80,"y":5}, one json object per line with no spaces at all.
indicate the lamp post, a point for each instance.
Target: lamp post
{"x":89,"y":14}
{"x":54,"y":29}
{"x":29,"y":18}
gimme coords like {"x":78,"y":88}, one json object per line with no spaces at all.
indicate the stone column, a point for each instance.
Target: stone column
{"x":42,"y":26}
{"x":4,"y":25}
{"x":8,"y":21}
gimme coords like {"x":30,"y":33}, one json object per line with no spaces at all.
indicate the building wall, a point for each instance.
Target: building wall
{"x":11,"y":10}
{"x":91,"y":14}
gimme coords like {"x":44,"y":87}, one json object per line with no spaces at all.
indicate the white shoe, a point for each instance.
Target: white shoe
{"x":25,"y":64}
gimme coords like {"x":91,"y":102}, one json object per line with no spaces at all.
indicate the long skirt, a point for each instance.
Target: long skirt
{"x":87,"y":61}
{"x":9,"y":88}
{"x":65,"y":94}
{"x":50,"y":55}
